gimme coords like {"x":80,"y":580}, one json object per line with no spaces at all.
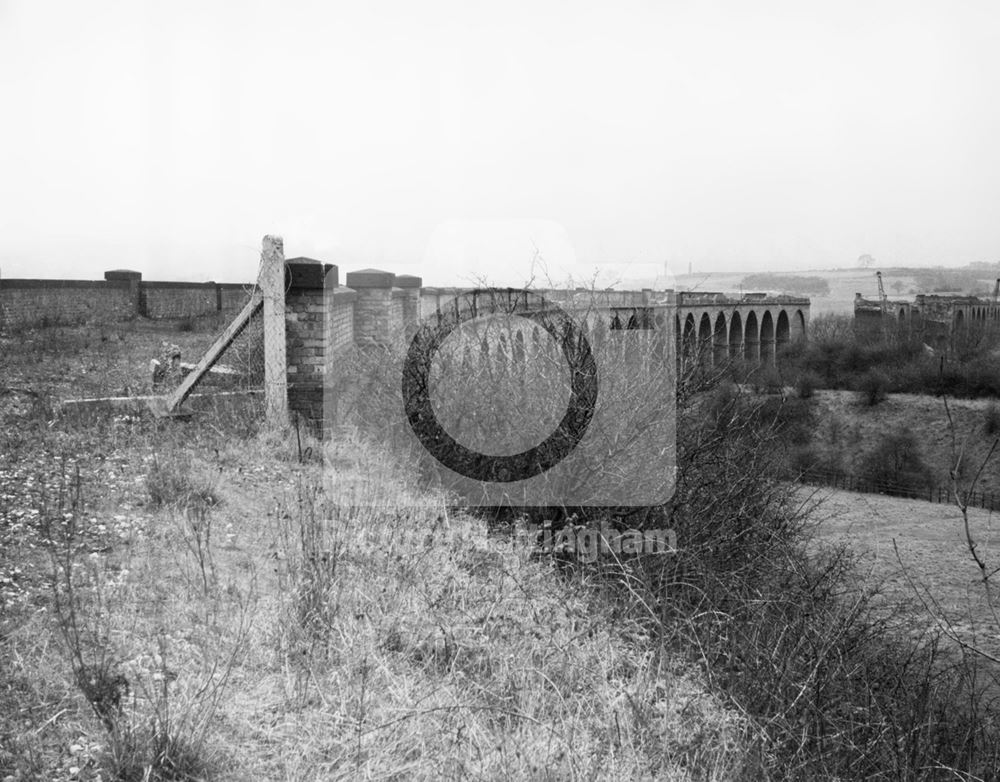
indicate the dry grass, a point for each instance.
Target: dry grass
{"x":280,"y":616}
{"x":235,"y":612}
{"x":357,"y":630}
{"x":932,"y":559}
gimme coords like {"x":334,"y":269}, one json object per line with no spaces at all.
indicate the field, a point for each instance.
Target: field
{"x":915,"y":555}
{"x":211,"y":599}
{"x":207,"y":600}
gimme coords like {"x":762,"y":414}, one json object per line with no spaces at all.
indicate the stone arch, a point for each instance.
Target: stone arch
{"x":767,"y":338}
{"x":689,"y":345}
{"x":736,"y":336}
{"x":751,"y":338}
{"x":720,"y":340}
{"x":798,"y":325}
{"x":705,"y":337}
{"x":782,"y":330}
{"x":959,"y":319}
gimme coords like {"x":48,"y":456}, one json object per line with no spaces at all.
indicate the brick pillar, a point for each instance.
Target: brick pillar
{"x":409,"y":290}
{"x":134,"y":280}
{"x":373,"y":306}
{"x":306,"y":324}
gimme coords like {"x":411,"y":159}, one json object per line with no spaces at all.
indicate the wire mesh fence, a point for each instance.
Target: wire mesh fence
{"x":245,"y":356}
{"x":240,"y":367}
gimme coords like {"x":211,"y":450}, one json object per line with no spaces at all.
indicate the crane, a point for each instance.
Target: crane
{"x":996,"y":291}
{"x":883,"y":300}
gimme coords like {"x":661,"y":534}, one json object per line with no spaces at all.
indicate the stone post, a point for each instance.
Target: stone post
{"x":409,"y":290}
{"x":373,"y":306}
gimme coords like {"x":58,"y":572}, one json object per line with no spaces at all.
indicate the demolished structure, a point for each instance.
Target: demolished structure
{"x":933,"y":318}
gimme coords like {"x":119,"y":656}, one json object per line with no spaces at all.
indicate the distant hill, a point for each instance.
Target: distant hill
{"x":798,"y":285}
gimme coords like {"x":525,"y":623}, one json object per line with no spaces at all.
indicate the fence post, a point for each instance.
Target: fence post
{"x":272,"y":283}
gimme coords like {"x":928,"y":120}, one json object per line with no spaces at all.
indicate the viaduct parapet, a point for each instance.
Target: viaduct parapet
{"x":376,"y":306}
{"x":325,"y":314}
{"x":935,"y":318}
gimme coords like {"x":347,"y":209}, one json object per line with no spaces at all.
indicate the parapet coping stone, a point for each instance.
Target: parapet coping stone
{"x":408,"y":281}
{"x":370,"y":278}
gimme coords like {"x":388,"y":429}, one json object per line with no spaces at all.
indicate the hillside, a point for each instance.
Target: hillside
{"x":846,"y":430}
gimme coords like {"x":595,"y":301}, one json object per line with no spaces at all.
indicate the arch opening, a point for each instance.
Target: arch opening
{"x":782,"y":330}
{"x":705,"y":338}
{"x":736,"y":336}
{"x":767,"y":338}
{"x":720,"y":340}
{"x":751,"y":343}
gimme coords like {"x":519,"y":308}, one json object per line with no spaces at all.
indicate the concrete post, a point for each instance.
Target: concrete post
{"x":272,"y":284}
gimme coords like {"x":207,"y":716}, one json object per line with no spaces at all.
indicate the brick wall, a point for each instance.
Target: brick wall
{"x":26,"y":303}
{"x":177,"y":299}
{"x":340,"y":325}
{"x":120,"y":296}
{"x":232,"y":296}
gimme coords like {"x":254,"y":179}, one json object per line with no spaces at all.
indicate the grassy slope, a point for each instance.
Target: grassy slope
{"x":848,"y":429}
{"x":932,"y":563}
{"x":333,"y":625}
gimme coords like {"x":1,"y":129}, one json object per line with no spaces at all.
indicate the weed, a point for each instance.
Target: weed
{"x":174,"y":481}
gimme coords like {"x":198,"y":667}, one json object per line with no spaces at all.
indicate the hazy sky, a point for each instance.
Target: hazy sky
{"x":457,"y":140}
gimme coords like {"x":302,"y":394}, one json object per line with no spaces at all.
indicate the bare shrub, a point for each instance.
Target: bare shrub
{"x":895,"y":465}
{"x":806,"y":384}
{"x":873,"y":387}
{"x":991,"y":419}
{"x":787,"y":634}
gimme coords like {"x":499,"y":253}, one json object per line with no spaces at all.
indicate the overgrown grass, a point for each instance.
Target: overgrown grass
{"x":234,"y":608}
{"x":270,"y":616}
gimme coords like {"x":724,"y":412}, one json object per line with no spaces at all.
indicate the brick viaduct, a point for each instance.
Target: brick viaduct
{"x":323,"y":317}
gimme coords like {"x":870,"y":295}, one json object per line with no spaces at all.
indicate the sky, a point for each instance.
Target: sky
{"x":500,"y":142}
